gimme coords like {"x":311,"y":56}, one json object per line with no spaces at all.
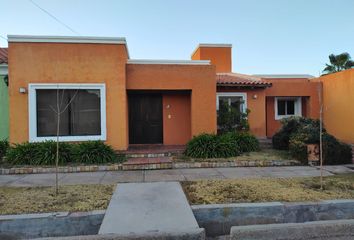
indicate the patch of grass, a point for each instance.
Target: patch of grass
{"x":266,"y":154}
{"x":267,"y":190}
{"x":18,"y":200}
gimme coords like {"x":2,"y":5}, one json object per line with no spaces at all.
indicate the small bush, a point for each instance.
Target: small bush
{"x":245,"y":141}
{"x":298,"y":148}
{"x":231,"y":119}
{"x":335,"y":152}
{"x":41,"y":153}
{"x":95,"y":152}
{"x":212,"y":146}
{"x":297,"y":132}
{"x":4,"y":146}
{"x":291,"y":125}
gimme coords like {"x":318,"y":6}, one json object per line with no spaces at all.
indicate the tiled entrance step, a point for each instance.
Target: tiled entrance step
{"x":153,"y":150}
{"x":148,"y":163}
{"x":265,"y":143}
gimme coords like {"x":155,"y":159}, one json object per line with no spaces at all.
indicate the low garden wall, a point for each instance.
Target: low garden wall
{"x":325,"y":230}
{"x":217,"y":219}
{"x":27,"y":226}
{"x":154,"y":166}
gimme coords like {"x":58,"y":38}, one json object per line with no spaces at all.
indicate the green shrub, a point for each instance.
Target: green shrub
{"x":41,"y":153}
{"x":308,"y":132}
{"x":297,"y":132}
{"x":230,"y":118}
{"x":95,"y":152}
{"x":212,"y":146}
{"x":298,"y":147}
{"x":291,"y":125}
{"x":4,"y":146}
{"x":245,"y":141}
{"x":335,"y":152}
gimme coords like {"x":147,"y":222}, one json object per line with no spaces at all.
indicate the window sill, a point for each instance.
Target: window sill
{"x":286,"y":116}
{"x":70,"y":138}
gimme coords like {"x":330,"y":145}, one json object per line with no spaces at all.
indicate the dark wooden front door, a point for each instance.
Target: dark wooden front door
{"x":145,"y":118}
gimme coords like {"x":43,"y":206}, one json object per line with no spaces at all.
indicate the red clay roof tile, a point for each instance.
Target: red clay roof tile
{"x":237,"y":79}
{"x":3,"y":56}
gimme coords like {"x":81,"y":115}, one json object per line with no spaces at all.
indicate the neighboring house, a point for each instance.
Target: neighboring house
{"x":125,"y":101}
{"x":269,"y":97}
{"x":338,"y":99}
{"x":4,"y":102}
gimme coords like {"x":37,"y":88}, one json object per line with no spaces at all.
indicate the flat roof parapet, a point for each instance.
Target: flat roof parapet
{"x":283,"y":75}
{"x":66,"y":39}
{"x":170,"y":62}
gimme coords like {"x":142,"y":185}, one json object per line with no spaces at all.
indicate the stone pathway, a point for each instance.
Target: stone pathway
{"x":29,"y":180}
{"x":140,"y":208}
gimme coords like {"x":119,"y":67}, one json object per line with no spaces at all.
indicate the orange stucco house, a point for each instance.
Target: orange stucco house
{"x":108,"y":96}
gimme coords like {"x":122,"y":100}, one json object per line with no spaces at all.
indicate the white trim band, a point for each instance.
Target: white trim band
{"x":32,"y":111}
{"x":226,"y":45}
{"x":212,"y":45}
{"x":4,"y":69}
{"x":171,"y":62}
{"x":66,"y":39}
{"x":283,"y":75}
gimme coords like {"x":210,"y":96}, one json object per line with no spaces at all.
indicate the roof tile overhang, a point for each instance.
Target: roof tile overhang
{"x":3,"y":56}
{"x":240,"y":80}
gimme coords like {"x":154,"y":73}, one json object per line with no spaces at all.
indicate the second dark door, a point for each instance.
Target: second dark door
{"x":145,"y":118}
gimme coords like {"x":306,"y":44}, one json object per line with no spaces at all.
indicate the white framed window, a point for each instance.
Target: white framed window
{"x":82,"y":107}
{"x":287,"y":106}
{"x":235,"y":99}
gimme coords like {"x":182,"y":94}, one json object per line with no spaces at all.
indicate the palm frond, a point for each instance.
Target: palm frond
{"x":349,"y":64}
{"x":332,"y":59}
{"x":329,"y":69}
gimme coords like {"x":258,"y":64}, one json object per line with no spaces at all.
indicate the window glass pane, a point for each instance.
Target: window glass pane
{"x":46,"y":113}
{"x":223,"y":103}
{"x":86,"y":114}
{"x":281,"y":107}
{"x":236,"y":102}
{"x":80,"y":112}
{"x":290,"y":107}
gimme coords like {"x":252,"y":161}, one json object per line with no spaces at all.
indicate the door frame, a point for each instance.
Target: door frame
{"x":145,"y":94}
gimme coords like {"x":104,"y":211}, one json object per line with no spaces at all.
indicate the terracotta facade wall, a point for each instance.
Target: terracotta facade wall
{"x":219,"y":56}
{"x":306,"y":89}
{"x":69,"y":63}
{"x":199,"y":79}
{"x":176,"y":119}
{"x":256,"y":103}
{"x":338,"y":99}
{"x":274,"y":125}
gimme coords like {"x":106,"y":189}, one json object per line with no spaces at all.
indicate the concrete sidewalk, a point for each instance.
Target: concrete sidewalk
{"x":29,"y":180}
{"x":142,"y":208}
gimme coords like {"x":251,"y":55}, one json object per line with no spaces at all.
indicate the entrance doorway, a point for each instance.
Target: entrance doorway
{"x":145,"y":118}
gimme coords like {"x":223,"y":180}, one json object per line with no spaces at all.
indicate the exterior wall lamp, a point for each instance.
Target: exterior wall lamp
{"x":22,"y":90}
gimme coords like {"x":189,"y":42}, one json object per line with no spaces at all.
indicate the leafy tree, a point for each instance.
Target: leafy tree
{"x":231,"y":119}
{"x":338,"y":63}
{"x":6,"y":80}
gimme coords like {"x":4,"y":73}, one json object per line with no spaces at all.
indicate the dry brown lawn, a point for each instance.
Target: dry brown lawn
{"x":266,"y":190}
{"x":16,"y":200}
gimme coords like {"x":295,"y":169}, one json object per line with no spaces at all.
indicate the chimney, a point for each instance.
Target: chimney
{"x":218,"y":54}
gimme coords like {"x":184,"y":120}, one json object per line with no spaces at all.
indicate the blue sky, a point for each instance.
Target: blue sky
{"x":268,"y":36}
